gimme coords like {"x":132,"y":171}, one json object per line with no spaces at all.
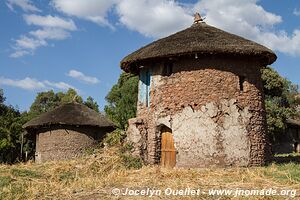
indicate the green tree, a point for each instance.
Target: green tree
{"x":2,"y":99}
{"x":69,"y":96}
{"x":280,"y":101}
{"x":46,"y":101}
{"x":10,"y":132}
{"x":92,"y":104}
{"x":122,"y":100}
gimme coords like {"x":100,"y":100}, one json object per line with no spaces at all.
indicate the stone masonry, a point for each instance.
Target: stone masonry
{"x":213,"y":122}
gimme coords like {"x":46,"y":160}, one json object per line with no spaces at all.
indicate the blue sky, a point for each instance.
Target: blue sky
{"x":58,"y":44}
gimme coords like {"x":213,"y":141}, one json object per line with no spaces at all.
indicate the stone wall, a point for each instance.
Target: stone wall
{"x":213,"y":121}
{"x":65,"y":142}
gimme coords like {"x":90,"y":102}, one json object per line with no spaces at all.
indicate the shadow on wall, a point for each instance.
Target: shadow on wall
{"x":94,"y":133}
{"x":229,"y":64}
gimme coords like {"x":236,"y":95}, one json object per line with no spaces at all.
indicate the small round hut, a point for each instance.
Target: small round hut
{"x":67,"y":131}
{"x":201,"y":100}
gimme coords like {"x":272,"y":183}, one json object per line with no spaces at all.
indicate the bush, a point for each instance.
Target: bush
{"x":114,"y":138}
{"x":129,"y":161}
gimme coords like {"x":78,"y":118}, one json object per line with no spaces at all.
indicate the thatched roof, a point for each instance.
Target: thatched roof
{"x":70,"y":114}
{"x":202,"y":39}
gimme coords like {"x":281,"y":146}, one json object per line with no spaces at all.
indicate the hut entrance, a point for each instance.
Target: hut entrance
{"x":168,"y":152}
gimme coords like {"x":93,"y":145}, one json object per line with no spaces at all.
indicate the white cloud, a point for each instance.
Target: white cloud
{"x":282,"y":41}
{"x":154,"y":18}
{"x":159,"y":18}
{"x":33,"y":84}
{"x":26,"y":83}
{"x":19,"y":53}
{"x":50,"y":21}
{"x":26,"y":45}
{"x":246,"y":18}
{"x":50,"y":33}
{"x":80,"y":76}
{"x":25,"y":42}
{"x":232,"y":13}
{"x":296,"y":11}
{"x":25,"y":5}
{"x":52,"y":28}
{"x":60,"y":85}
{"x":92,"y":10}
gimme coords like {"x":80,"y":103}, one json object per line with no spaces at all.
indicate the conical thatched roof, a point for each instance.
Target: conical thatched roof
{"x":202,"y":39}
{"x":70,"y":114}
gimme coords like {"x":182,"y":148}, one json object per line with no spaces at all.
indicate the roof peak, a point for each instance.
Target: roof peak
{"x":197,"y":18}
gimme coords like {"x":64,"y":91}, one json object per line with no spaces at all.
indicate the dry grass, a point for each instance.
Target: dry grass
{"x":93,"y":177}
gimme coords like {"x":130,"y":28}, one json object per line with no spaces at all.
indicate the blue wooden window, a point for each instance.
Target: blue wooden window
{"x":144,"y":89}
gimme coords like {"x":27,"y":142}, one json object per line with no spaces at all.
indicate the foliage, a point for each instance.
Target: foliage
{"x":280,"y":101}
{"x":69,"y":96}
{"x":2,"y":98}
{"x":274,"y":84}
{"x":10,"y":132}
{"x":122,"y":100}
{"x":280,"y":173}
{"x":46,"y":101}
{"x":114,"y":138}
{"x":91,"y":103}
{"x":129,"y":161}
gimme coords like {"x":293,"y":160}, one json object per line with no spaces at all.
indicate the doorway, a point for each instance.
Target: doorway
{"x":168,"y":151}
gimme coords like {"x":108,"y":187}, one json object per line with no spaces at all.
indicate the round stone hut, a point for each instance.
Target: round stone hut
{"x":67,"y":132}
{"x":201,"y":100}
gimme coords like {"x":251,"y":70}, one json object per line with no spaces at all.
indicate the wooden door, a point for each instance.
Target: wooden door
{"x":168,"y":152}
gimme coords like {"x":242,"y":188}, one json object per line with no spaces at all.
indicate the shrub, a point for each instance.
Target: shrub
{"x":114,"y":138}
{"x":129,"y":161}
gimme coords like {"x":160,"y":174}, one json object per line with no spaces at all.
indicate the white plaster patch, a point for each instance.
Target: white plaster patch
{"x":134,"y":137}
{"x":201,"y":141}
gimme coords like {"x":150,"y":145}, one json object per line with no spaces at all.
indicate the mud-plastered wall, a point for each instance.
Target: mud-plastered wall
{"x":62,"y":143}
{"x":215,"y":109}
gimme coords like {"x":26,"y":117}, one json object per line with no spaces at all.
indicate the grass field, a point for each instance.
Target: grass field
{"x":94,"y":177}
